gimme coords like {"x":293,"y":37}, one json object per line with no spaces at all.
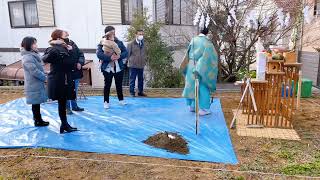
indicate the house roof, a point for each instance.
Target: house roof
{"x":15,"y":71}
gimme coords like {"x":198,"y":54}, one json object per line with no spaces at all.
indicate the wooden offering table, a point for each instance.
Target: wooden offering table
{"x":274,"y":97}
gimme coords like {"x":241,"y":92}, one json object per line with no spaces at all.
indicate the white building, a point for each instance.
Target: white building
{"x":85,"y":21}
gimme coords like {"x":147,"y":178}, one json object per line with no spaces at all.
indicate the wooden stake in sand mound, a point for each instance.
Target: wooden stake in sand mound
{"x":171,"y":142}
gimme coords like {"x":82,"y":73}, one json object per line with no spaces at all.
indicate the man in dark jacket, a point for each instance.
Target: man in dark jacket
{"x":136,"y":62}
{"x":77,"y":73}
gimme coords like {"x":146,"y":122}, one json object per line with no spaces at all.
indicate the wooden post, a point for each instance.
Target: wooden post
{"x":299,"y":89}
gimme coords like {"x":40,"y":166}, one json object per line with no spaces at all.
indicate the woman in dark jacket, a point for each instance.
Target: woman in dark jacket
{"x":60,"y":81}
{"x":34,"y":78}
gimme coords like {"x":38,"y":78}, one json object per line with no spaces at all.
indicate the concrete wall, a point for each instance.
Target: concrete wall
{"x":310,"y":66}
{"x":9,"y":57}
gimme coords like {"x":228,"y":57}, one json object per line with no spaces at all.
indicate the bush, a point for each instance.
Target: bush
{"x":243,"y":72}
{"x":159,"y":57}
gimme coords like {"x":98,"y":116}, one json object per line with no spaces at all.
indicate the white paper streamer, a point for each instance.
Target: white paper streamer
{"x":233,"y":14}
{"x":207,"y":21}
{"x":197,"y":17}
{"x":202,"y":22}
{"x":229,"y":21}
{"x":287,"y":20}
{"x":280,"y":17}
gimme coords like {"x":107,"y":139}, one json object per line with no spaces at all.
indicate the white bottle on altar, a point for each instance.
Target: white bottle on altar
{"x":261,"y":66}
{"x":261,"y":61}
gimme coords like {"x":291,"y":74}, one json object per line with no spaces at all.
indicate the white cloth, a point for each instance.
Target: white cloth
{"x":109,"y":68}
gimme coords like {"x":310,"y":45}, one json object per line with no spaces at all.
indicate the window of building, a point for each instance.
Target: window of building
{"x":23,"y":14}
{"x":31,"y":13}
{"x":120,"y":11}
{"x":174,"y":12}
{"x":129,"y":9}
{"x":317,"y":8}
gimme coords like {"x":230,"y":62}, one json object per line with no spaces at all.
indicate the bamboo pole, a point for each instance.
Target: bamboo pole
{"x":197,"y":104}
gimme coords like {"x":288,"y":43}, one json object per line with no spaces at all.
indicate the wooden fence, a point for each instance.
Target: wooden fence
{"x":275,"y":98}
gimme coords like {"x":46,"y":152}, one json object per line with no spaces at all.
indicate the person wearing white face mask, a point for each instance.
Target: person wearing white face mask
{"x":136,"y":62}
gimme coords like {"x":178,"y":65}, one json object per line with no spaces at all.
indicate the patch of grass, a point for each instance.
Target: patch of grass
{"x":19,"y":159}
{"x":42,"y":150}
{"x":27,"y":174}
{"x":307,"y":169}
{"x":257,"y":165}
{"x":239,"y":178}
{"x":244,"y":151}
{"x":317,"y":156}
{"x":286,"y":154}
{"x":5,"y":178}
{"x":23,"y":173}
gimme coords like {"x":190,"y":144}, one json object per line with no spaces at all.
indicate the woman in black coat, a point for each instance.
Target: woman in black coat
{"x":60,"y":81}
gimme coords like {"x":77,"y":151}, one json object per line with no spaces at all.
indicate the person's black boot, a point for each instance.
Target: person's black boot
{"x":78,"y":109}
{"x":65,"y":127}
{"x":74,"y":128}
{"x":39,"y":122}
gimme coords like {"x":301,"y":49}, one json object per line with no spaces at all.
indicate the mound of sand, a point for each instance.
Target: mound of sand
{"x":169,"y":141}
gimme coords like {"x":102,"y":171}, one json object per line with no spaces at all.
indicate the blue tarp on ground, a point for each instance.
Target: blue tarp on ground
{"x":120,"y":130}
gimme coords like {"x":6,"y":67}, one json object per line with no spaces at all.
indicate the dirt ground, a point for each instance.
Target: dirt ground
{"x":259,"y":158}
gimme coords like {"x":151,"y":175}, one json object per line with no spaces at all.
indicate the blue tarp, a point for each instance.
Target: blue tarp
{"x":121,"y":129}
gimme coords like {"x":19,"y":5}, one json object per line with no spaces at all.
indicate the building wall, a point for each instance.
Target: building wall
{"x":82,"y":19}
{"x":84,"y":24}
{"x":311,"y":40}
{"x":9,"y":57}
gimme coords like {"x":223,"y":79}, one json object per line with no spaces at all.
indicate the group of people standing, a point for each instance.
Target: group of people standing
{"x":66,"y":61}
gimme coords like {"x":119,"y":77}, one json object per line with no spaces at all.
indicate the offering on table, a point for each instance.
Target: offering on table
{"x":278,"y":56}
